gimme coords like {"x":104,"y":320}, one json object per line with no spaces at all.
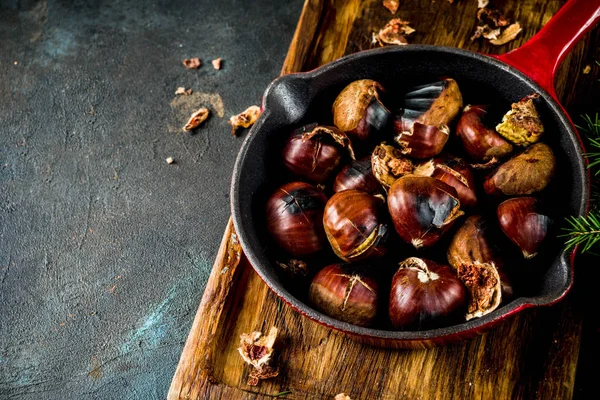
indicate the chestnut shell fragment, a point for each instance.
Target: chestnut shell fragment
{"x":345,"y":292}
{"x":422,"y":209}
{"x":389,"y":164}
{"x":356,"y":225}
{"x":425,"y":295}
{"x":294,"y":216}
{"x":313,"y":152}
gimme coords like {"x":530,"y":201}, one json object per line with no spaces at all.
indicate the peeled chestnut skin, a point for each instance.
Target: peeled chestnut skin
{"x":425,"y":295}
{"x":521,"y":223}
{"x":359,"y":112}
{"x":472,"y":243}
{"x":345,"y":292}
{"x":356,"y":225}
{"x":314,"y":152}
{"x":294,"y":214}
{"x":480,"y":142}
{"x":357,"y":175}
{"x":422,"y":209}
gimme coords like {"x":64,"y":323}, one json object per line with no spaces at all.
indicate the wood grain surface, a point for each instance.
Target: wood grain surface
{"x":533,"y":355}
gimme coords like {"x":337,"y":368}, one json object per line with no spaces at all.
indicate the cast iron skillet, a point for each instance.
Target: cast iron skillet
{"x":297,"y":99}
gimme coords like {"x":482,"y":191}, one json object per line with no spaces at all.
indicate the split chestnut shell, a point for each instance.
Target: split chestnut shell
{"x":356,"y":225}
{"x":425,"y":295}
{"x":422,"y":209}
{"x":345,"y":292}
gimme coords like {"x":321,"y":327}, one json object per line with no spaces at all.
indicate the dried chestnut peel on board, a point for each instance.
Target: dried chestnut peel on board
{"x":197,"y":119}
{"x":346,"y":293}
{"x":257,"y":350}
{"x":394,"y":32}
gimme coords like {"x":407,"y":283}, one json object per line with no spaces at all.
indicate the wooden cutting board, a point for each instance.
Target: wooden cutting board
{"x":533,"y":355}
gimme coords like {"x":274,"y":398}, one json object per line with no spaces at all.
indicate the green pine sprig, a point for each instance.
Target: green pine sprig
{"x":583,"y":231}
{"x":592,"y":128}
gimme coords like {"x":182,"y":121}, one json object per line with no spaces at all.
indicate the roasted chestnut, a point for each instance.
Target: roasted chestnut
{"x":389,"y":164}
{"x":294,"y":217}
{"x":422,"y":141}
{"x":313,"y":152}
{"x":485,"y":290}
{"x":425,"y":295}
{"x":422,"y":126}
{"x":345,"y":292}
{"x":454,"y":172}
{"x":359,"y":112}
{"x":356,"y":225}
{"x":521,"y":223}
{"x":523,"y":174}
{"x":433,"y":104}
{"x":422,"y":209}
{"x":522,"y":124}
{"x":357,"y":175}
{"x":472,"y":244}
{"x":481,"y":143}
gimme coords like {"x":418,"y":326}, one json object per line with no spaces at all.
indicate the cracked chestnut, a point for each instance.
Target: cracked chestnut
{"x":359,"y":112}
{"x":422,"y":209}
{"x":314,"y":152}
{"x":356,"y":225}
{"x":456,"y":173}
{"x":345,"y":292}
{"x":523,"y":225}
{"x":425,"y":295}
{"x":294,"y":217}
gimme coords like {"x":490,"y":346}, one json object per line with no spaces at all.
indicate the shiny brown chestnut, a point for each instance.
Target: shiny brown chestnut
{"x":294,"y":217}
{"x":388,"y":164}
{"x":425,"y":295}
{"x":456,"y":173}
{"x":359,"y":112}
{"x":481,"y":143}
{"x":523,"y":225}
{"x":314,"y":152}
{"x":357,"y":175}
{"x":526,"y":173}
{"x":356,"y":225}
{"x":422,"y":209}
{"x":472,"y":244}
{"x":345,"y":292}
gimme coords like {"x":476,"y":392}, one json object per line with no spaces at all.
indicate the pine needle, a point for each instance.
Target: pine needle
{"x":592,"y":128}
{"x":583,"y":231}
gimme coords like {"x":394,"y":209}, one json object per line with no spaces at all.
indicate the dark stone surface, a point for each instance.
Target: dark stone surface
{"x":105,"y":249}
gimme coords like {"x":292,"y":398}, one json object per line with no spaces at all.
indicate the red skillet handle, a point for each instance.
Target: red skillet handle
{"x":541,"y":56}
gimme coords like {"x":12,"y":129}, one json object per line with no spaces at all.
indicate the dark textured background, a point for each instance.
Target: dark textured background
{"x":105,"y":248}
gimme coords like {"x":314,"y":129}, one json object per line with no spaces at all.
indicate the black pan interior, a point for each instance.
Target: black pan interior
{"x":297,"y":99}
